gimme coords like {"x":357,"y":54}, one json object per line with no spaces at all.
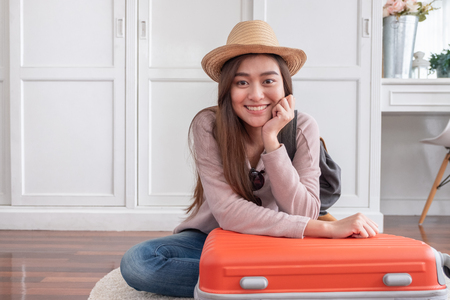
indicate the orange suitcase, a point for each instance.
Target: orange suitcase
{"x":241,"y":266}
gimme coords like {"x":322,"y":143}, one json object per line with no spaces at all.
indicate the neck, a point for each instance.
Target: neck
{"x":254,"y":145}
{"x":254,"y":135}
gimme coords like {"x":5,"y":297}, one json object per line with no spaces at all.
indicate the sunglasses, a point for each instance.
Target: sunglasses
{"x":256,"y":178}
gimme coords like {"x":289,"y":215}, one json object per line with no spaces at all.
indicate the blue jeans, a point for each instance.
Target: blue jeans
{"x":167,"y":266}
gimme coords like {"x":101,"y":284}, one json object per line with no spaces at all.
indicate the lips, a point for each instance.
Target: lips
{"x":256,"y":107}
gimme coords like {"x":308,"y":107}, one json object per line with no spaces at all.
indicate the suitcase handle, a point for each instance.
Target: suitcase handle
{"x":254,"y":283}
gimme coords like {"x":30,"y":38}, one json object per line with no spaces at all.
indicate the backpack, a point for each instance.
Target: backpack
{"x":330,"y":177}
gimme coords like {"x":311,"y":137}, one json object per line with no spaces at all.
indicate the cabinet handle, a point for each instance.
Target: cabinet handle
{"x":366,"y":28}
{"x":143,"y":30}
{"x":120,"y":30}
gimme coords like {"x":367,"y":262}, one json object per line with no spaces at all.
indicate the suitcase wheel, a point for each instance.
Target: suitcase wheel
{"x":447,"y":271}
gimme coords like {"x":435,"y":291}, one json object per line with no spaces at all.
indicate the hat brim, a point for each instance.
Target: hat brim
{"x":213,"y":62}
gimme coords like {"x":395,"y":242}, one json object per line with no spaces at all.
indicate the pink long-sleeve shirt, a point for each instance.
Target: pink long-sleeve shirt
{"x":290,"y":195}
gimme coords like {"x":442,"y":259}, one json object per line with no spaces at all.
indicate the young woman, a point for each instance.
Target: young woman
{"x":246,"y":181}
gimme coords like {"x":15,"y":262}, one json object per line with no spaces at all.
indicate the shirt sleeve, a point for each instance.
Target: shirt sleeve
{"x":295,"y":185}
{"x":231,"y":211}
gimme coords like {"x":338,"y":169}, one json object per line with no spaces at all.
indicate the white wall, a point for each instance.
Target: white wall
{"x":408,"y":167}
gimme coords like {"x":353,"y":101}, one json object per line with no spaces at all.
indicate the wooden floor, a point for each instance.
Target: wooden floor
{"x":50,"y":265}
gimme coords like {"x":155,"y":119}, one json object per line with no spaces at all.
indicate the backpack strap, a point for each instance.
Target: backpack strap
{"x":288,"y":136}
{"x":330,"y":178}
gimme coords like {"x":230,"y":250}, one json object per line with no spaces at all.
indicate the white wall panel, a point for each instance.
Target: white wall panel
{"x":334,"y":85}
{"x":67,"y":103}
{"x":67,"y":137}
{"x":170,"y":170}
{"x":68,"y":33}
{"x":173,"y":88}
{"x":334,"y":105}
{"x":326,"y":30}
{"x":336,"y":78}
{"x":181,"y":38}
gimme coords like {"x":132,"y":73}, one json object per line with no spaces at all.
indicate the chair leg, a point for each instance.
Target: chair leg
{"x":434,"y":188}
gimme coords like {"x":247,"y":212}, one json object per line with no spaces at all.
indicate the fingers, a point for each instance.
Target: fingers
{"x":291,"y":101}
{"x":282,"y":114}
{"x":285,"y":108}
{"x":357,"y":226}
{"x":370,"y":226}
{"x":373,"y":226}
{"x":364,"y":227}
{"x":288,"y":103}
{"x":279,"y":111}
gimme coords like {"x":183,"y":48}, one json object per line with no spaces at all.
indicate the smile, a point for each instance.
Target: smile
{"x":256,"y":108}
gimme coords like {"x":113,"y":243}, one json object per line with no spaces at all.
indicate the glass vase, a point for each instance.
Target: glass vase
{"x":442,"y":74}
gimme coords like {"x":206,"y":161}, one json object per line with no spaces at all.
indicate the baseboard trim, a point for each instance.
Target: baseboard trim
{"x":96,"y":219}
{"x":414,"y":207}
{"x":116,"y":218}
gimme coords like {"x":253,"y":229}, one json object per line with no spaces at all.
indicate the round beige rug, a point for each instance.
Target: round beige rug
{"x":114,"y":287}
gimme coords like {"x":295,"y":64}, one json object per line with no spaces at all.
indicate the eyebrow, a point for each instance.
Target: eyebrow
{"x":262,"y":74}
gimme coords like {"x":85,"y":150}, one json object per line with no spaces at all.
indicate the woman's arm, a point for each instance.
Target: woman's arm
{"x":295,"y":184}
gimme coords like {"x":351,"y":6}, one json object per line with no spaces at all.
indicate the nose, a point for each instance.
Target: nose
{"x":256,"y":93}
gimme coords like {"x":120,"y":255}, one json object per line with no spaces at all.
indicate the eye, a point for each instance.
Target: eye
{"x":268,"y":81}
{"x":241,"y":83}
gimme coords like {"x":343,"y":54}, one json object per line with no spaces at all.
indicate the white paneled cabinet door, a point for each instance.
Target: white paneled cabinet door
{"x":67,"y":102}
{"x":174,"y":37}
{"x":334,"y":84}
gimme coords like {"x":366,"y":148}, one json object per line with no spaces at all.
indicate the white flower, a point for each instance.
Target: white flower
{"x":412,"y":6}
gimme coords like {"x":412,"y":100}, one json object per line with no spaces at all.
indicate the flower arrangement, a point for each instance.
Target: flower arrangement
{"x":407,"y":7}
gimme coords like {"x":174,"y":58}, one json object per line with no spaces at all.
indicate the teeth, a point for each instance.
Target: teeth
{"x":255,"y":108}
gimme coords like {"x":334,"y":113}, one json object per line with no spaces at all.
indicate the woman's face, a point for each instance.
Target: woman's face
{"x":256,"y":89}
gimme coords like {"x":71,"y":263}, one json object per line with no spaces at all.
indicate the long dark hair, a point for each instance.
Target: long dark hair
{"x":230,"y":134}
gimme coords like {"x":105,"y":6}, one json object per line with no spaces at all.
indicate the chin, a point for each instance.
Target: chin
{"x":256,"y":123}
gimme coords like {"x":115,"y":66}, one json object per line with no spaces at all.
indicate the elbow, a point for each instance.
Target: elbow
{"x":308,"y":207}
{"x":316,"y":210}
{"x":313,"y":208}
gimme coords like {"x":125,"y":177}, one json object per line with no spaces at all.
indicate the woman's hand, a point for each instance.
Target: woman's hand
{"x":358,"y":226}
{"x":282,"y":114}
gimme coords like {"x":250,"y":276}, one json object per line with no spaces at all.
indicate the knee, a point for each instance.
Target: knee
{"x":135,"y":270}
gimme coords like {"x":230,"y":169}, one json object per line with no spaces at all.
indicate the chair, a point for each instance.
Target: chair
{"x":441,"y":140}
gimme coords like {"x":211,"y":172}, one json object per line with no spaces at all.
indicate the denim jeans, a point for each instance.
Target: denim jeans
{"x":167,"y":266}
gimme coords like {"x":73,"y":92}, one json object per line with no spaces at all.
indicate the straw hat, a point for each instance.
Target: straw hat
{"x":251,"y":37}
